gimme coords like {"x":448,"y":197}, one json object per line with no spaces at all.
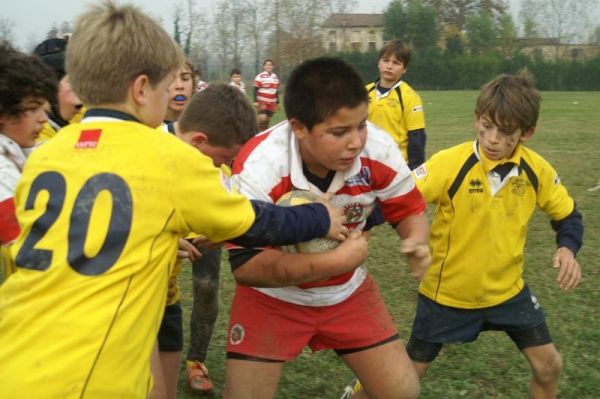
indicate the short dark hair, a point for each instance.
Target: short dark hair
{"x":319,"y":87}
{"x":398,"y":49}
{"x":52,"y":52}
{"x":510,"y":101}
{"x":235,"y":71}
{"x":23,"y":76}
{"x":223,"y":113}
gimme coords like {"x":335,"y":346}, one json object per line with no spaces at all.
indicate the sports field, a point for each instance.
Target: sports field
{"x":568,"y":136}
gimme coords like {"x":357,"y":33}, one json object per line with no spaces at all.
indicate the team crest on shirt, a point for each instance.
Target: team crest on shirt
{"x":236,"y":334}
{"x":518,"y":186}
{"x":393,"y":102}
{"x":354,"y":212}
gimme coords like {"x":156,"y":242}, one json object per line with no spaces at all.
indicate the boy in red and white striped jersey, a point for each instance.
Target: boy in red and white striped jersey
{"x":266,"y":94}
{"x":325,"y":146}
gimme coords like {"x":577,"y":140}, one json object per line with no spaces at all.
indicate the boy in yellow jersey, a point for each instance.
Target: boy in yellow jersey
{"x":101,"y":209}
{"x":485,"y":192}
{"x":66,"y":107}
{"x":395,"y":106}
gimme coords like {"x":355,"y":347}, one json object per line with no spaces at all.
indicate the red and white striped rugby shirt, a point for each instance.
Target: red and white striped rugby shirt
{"x":269,"y":166}
{"x":267,"y":85}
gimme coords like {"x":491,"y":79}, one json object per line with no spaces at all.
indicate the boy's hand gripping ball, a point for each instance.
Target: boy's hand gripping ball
{"x":299,"y":197}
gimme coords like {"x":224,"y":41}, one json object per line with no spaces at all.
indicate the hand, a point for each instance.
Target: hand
{"x":418,"y":257}
{"x":354,"y":249}
{"x":202,"y":241}
{"x":187,"y":251}
{"x":337,"y":230}
{"x":569,"y":274}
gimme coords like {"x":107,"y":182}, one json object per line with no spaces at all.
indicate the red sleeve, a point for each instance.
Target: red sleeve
{"x":9,"y":228}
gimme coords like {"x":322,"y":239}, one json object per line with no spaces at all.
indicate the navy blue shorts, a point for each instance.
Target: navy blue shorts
{"x":521,"y":317}
{"x":170,"y":335}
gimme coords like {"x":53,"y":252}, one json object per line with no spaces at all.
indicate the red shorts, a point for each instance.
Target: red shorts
{"x":264,"y":327}
{"x":271,"y":107}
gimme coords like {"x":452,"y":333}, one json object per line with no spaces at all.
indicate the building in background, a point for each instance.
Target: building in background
{"x":353,"y":32}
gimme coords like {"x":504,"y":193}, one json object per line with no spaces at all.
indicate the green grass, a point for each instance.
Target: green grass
{"x":492,"y":367}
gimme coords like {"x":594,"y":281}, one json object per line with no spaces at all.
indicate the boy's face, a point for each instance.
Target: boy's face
{"x":24,"y":129}
{"x":391,"y":70}
{"x":68,"y":102}
{"x":495,"y":142}
{"x":335,"y":143}
{"x":236,"y":77}
{"x":181,"y":90}
{"x":152,"y":101}
{"x":219,"y":155}
{"x":268,"y":66}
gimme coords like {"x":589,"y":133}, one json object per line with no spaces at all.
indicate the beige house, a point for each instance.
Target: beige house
{"x":353,"y":32}
{"x":551,"y":49}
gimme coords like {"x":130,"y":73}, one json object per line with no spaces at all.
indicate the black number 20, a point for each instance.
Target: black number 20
{"x":118,"y":229}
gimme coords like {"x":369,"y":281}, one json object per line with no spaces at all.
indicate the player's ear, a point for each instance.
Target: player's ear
{"x":198,"y":139}
{"x":526,"y":135}
{"x":299,"y":129}
{"x":138,"y":89}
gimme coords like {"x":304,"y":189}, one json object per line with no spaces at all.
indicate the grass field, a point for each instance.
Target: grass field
{"x":569,"y":137}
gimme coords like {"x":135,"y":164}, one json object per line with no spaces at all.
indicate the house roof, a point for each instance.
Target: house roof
{"x":353,"y":20}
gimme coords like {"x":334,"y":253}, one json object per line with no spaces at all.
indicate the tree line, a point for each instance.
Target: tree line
{"x":457,"y":44}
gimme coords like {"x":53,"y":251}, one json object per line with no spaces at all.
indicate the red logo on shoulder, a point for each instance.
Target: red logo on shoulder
{"x":88,"y":138}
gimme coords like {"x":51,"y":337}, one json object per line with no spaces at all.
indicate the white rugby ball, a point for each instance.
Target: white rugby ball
{"x":299,"y":197}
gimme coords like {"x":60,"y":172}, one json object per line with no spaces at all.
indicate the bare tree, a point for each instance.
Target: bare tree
{"x":453,"y":14}
{"x":564,"y":20}
{"x":254,"y":30}
{"x":6,"y":29}
{"x":297,"y":29}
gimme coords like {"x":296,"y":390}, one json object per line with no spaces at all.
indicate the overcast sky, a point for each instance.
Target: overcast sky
{"x":33,"y":18}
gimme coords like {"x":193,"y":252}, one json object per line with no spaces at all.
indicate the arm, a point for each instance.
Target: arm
{"x":416,"y":148}
{"x":276,"y":225}
{"x":569,"y":238}
{"x":414,"y":232}
{"x":275,"y":268}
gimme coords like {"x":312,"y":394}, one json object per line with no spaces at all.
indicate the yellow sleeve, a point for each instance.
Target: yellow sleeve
{"x":553,"y":197}
{"x":202,"y":201}
{"x":414,"y":115}
{"x":431,"y":178}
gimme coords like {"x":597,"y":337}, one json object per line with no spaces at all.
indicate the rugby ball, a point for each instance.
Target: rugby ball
{"x":299,"y":197}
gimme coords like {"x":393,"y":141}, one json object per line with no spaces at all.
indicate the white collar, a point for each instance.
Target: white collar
{"x":12,"y":151}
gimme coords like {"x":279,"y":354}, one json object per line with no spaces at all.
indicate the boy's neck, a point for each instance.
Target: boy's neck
{"x":385,"y":84}
{"x":172,"y":115}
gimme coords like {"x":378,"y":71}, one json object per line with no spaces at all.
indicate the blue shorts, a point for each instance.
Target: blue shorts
{"x":521,"y":317}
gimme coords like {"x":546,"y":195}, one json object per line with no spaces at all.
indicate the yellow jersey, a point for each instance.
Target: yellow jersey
{"x":397,"y":111}
{"x":101,"y":207}
{"x":479,"y":229}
